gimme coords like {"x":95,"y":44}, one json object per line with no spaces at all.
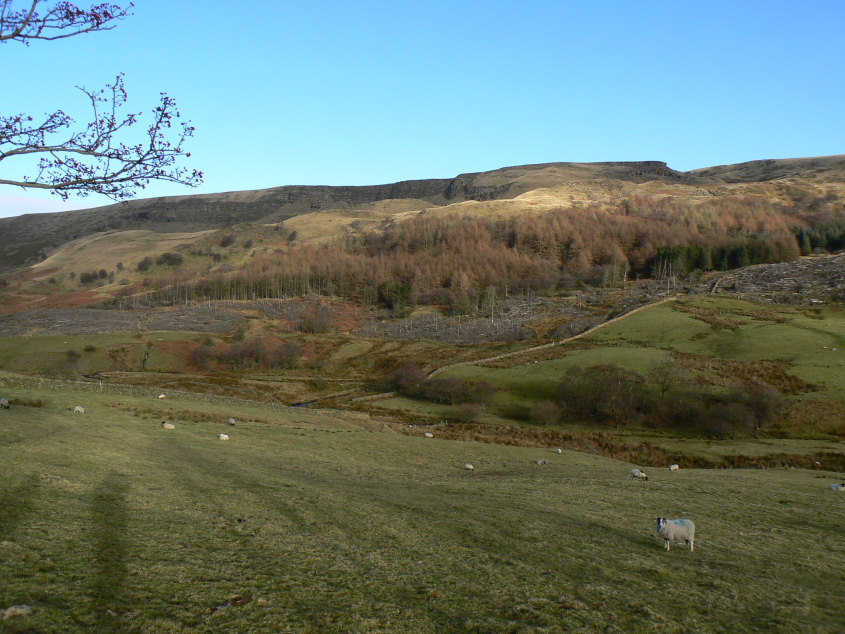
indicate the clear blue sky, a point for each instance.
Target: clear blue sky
{"x":366,"y":92}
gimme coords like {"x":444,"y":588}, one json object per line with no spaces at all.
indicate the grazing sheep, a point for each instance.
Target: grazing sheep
{"x":676,"y":531}
{"x":468,"y":466}
{"x":223,"y":436}
{"x":166,"y":425}
{"x":558,"y":450}
{"x":428,"y":434}
{"x":231,"y":422}
{"x":638,"y":475}
{"x":541,"y":462}
{"x":4,"y":403}
{"x":837,"y":487}
{"x":161,"y":395}
{"x":79,"y":409}
{"x":673,"y":467}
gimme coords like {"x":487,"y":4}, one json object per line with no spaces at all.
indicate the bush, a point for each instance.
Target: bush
{"x":317,"y":318}
{"x":169,"y":259}
{"x":467,"y":412}
{"x":227,"y":241}
{"x":201,"y":357}
{"x":145,"y":264}
{"x":544,"y":413}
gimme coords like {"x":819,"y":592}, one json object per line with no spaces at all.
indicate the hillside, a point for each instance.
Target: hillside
{"x":28,"y":238}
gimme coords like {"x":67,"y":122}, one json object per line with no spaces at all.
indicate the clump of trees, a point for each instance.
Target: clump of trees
{"x":463,"y":263}
{"x":609,"y":394}
{"x":249,"y":354}
{"x":409,"y":379}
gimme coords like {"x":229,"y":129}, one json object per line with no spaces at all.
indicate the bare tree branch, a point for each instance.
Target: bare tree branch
{"x":96,"y":160}
{"x":62,"y":20}
{"x":99,"y":158}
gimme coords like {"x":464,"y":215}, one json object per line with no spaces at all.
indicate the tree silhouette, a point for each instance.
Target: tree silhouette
{"x":102,"y":156}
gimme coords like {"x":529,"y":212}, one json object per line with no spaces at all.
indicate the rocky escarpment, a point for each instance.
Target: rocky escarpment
{"x":27,"y":238}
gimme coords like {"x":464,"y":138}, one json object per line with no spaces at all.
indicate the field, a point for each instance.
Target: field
{"x":315,"y":521}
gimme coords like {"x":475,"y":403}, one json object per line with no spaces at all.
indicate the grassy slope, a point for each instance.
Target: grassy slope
{"x":304,"y":522}
{"x":810,"y":342}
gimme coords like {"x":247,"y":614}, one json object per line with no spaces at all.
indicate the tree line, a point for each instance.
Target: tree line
{"x":459,"y":261}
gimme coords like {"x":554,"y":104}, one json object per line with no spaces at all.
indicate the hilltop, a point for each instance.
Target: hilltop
{"x":30,"y":238}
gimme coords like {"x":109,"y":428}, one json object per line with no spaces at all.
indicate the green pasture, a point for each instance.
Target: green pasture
{"x":309,"y":522}
{"x":810,"y":342}
{"x":62,"y":354}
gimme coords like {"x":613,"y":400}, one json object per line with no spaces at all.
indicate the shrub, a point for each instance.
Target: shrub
{"x":467,"y":412}
{"x":201,"y":357}
{"x":145,"y":264}
{"x":317,"y":318}
{"x":544,"y":413}
{"x":227,"y":241}
{"x":169,"y":259}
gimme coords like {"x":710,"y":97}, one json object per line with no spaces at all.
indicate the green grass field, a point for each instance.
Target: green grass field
{"x":310,"y":522}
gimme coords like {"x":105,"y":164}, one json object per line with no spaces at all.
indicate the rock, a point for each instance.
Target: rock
{"x":16,"y":610}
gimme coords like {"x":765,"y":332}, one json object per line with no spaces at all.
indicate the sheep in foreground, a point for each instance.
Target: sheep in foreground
{"x":161,"y":395}
{"x":166,"y":425}
{"x":231,"y":422}
{"x":673,"y":467}
{"x":638,"y":475}
{"x":428,"y":434}
{"x":79,"y":409}
{"x":223,"y":436}
{"x":4,"y":403}
{"x":468,"y":466}
{"x":541,"y":462}
{"x":837,"y":487}
{"x":676,"y":531}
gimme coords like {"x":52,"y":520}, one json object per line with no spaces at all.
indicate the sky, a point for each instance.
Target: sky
{"x":372,"y":92}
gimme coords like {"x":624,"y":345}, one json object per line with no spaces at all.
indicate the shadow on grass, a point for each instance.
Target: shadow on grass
{"x":110,"y":543}
{"x":16,"y":502}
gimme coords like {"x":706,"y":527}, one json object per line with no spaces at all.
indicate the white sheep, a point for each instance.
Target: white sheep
{"x":231,"y":422}
{"x":468,"y":466}
{"x":161,"y":395}
{"x":673,"y":467}
{"x":638,"y":475}
{"x":428,"y":434}
{"x":4,"y":403}
{"x":541,"y":462}
{"x":558,"y":450}
{"x":166,"y":425}
{"x":837,"y":487}
{"x":79,"y":409}
{"x":223,"y":436}
{"x":676,"y":531}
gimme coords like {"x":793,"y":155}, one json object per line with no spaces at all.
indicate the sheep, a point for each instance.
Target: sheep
{"x":676,"y":531}
{"x":673,"y":467}
{"x":4,"y":403}
{"x":161,"y":395}
{"x":558,"y":450}
{"x":166,"y":425}
{"x":468,"y":466}
{"x":428,"y":434}
{"x":223,"y":436}
{"x":79,"y":409}
{"x":837,"y":487}
{"x":231,"y":422}
{"x":638,"y":475}
{"x":541,"y":462}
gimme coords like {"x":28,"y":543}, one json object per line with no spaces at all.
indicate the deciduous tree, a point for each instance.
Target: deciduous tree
{"x":104,"y":156}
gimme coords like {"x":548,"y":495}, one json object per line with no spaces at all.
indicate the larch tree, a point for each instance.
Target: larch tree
{"x":105,"y":156}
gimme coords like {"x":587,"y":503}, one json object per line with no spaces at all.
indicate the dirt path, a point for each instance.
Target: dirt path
{"x":552,"y":344}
